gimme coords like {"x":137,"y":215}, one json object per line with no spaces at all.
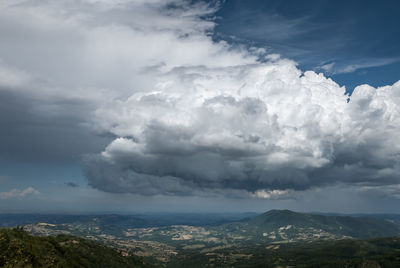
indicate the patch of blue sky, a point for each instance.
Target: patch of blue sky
{"x":354,"y":42}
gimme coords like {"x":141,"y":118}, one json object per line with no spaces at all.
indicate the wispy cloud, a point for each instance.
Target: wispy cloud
{"x":268,"y":194}
{"x":343,"y":67}
{"x":19,"y":194}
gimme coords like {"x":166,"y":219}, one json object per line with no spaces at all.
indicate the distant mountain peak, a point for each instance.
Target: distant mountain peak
{"x":358,"y":227}
{"x":280,"y":211}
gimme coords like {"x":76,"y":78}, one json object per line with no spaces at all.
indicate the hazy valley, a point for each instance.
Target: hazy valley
{"x":231,"y":240}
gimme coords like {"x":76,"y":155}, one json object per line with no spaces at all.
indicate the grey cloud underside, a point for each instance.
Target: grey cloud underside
{"x":181,"y":114}
{"x":30,"y":132}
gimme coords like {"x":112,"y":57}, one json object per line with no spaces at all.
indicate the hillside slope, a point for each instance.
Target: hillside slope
{"x":286,"y":225}
{"x":19,"y":249}
{"x":373,"y":253}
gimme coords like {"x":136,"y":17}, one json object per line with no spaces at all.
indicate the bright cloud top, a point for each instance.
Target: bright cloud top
{"x":251,"y":127}
{"x":191,"y":115}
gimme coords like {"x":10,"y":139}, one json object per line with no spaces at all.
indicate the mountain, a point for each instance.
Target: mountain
{"x":19,"y":249}
{"x":116,"y":222}
{"x":289,"y":226}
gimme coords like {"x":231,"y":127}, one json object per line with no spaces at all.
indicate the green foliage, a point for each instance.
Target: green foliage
{"x":19,"y":249}
{"x":357,"y":227}
{"x":382,"y":252}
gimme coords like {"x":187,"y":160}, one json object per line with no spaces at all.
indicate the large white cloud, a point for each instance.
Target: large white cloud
{"x":252,"y":127}
{"x":190,"y":115}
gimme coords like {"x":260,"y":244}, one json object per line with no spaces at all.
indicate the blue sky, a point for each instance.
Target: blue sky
{"x":360,"y":36}
{"x":128,"y":106}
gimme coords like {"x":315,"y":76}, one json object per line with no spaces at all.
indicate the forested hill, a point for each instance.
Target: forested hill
{"x":19,"y":249}
{"x":356,"y":227}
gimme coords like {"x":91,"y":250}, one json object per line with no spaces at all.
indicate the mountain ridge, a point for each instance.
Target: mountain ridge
{"x":348,"y":226}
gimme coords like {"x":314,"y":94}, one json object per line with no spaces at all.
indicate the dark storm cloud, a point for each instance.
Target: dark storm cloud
{"x":31,"y":132}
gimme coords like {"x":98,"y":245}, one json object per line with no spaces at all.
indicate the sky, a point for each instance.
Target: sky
{"x":199,"y":106}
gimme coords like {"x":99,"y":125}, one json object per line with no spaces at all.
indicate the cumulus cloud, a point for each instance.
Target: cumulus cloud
{"x":189,"y":115}
{"x":269,"y":194}
{"x":19,"y":194}
{"x":252,"y":127}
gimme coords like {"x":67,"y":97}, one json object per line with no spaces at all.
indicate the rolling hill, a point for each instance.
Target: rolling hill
{"x":357,"y":227}
{"x":19,"y":249}
{"x":371,"y":253}
{"x":289,"y":226}
{"x":159,"y":243}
